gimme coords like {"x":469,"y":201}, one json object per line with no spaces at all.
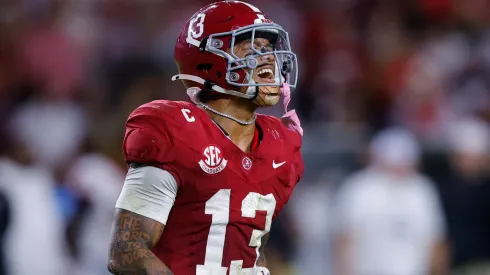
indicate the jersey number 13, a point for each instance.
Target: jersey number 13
{"x":219,"y":207}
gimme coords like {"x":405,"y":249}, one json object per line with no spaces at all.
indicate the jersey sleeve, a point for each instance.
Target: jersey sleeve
{"x":148,"y":139}
{"x":148,"y":191}
{"x":299,"y":166}
{"x":297,"y":171}
{"x":294,"y":177}
{"x":292,"y":142}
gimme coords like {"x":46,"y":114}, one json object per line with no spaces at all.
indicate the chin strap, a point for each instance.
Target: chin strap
{"x":193,"y":93}
{"x":290,"y":118}
{"x":209,"y":86}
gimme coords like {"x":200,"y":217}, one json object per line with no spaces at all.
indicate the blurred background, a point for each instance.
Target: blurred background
{"x":394,"y":97}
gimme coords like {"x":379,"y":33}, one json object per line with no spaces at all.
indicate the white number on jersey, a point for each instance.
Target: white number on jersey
{"x":218,"y":206}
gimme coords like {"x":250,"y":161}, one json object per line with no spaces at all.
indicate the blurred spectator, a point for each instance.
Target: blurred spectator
{"x":97,"y":182}
{"x":4,"y":223}
{"x":49,"y":56}
{"x":35,"y":235}
{"x":280,"y":246}
{"x":388,"y":219}
{"x":466,"y":193}
{"x":70,"y":67}
{"x":310,"y":207}
{"x":52,"y":130}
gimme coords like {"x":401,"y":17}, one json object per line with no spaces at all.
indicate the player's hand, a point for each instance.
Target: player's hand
{"x":262,"y":271}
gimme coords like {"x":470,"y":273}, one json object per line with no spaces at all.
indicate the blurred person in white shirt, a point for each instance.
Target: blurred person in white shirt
{"x":51,"y":129}
{"x":34,"y":240}
{"x":96,"y":180}
{"x":388,"y":219}
{"x":308,"y":207}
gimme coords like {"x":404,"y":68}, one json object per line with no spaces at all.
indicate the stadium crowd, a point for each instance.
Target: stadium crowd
{"x":394,"y":97}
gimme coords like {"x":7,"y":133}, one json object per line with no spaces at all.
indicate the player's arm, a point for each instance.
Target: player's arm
{"x":440,"y":250}
{"x":141,"y":213}
{"x":439,"y":258}
{"x":133,"y":237}
{"x":342,"y":254}
{"x":262,"y":260}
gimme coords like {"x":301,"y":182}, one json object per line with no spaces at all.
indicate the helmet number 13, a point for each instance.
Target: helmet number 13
{"x":196,"y":29}
{"x":218,"y":206}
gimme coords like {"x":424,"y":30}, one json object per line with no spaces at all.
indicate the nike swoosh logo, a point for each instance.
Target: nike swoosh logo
{"x":277,"y":165}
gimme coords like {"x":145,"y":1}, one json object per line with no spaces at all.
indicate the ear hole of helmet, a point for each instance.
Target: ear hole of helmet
{"x":204,"y":67}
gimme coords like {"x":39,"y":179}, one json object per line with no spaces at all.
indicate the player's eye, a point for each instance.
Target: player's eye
{"x":266,"y":49}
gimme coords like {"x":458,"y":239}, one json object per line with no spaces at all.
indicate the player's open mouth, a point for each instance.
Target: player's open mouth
{"x":266,"y":74}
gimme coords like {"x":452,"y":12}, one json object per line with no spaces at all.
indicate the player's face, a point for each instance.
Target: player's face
{"x":265,"y":72}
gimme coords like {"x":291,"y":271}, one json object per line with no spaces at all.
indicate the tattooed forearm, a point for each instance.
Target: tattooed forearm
{"x":133,"y":237}
{"x":262,"y":261}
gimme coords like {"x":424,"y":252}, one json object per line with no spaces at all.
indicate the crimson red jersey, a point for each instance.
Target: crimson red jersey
{"x":226,"y":198}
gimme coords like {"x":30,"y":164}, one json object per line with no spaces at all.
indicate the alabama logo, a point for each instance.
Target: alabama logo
{"x":213,"y":161}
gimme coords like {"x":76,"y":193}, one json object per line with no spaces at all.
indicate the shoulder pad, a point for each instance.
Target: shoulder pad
{"x":165,"y":109}
{"x":292,"y":137}
{"x":293,"y":141}
{"x":148,"y":137}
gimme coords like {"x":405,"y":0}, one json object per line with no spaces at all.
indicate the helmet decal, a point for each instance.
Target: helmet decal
{"x":196,"y":29}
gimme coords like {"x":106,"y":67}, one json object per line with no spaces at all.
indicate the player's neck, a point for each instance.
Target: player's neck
{"x":241,"y":135}
{"x":239,"y":108}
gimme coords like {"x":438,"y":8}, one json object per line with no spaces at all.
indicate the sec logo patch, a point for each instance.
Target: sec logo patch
{"x":213,"y":160}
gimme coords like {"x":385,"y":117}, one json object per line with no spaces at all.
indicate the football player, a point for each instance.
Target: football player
{"x":207,"y":178}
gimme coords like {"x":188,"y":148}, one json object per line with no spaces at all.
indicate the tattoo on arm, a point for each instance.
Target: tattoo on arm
{"x":262,"y":260}
{"x":133,"y":237}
